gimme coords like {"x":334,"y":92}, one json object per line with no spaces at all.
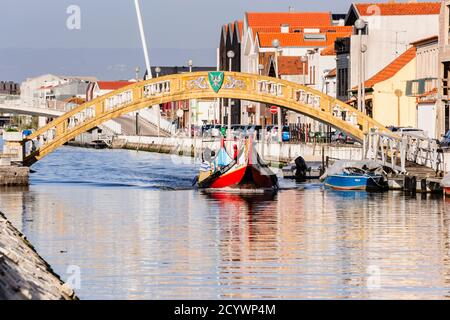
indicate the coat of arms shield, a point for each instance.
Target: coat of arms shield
{"x":216,"y":80}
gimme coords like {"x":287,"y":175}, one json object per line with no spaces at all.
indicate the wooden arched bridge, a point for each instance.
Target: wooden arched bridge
{"x":198,"y":85}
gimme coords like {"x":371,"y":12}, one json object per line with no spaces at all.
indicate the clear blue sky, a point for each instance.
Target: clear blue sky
{"x":35,"y":39}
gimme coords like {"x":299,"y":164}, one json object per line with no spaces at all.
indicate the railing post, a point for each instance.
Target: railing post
{"x":403,"y":151}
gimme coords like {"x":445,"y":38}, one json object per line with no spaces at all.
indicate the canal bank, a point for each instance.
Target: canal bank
{"x":24,"y":274}
{"x":273,"y":153}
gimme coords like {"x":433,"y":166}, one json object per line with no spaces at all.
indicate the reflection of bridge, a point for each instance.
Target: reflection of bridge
{"x":161,"y":90}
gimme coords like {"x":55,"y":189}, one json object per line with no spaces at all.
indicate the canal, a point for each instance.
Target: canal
{"x":133,"y":226}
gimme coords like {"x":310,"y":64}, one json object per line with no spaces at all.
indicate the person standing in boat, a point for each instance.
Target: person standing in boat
{"x":235,"y":149}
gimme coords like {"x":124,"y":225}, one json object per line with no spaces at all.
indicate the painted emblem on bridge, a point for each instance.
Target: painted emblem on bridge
{"x":216,"y":80}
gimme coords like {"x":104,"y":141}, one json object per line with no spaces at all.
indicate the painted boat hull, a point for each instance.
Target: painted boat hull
{"x":446,"y":191}
{"x":351,"y":182}
{"x":248,"y":172}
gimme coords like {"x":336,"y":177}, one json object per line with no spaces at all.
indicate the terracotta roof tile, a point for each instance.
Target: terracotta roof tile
{"x":390,"y":70}
{"x":301,"y":29}
{"x":112,"y":85}
{"x":397,"y":9}
{"x":291,"y":18}
{"x":425,"y":40}
{"x":328,"y":51}
{"x":331,"y":74}
{"x":241,"y":27}
{"x":298,"y":40}
{"x":291,"y":65}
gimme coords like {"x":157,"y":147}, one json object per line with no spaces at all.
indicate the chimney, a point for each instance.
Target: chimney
{"x":291,"y":9}
{"x":284,"y":28}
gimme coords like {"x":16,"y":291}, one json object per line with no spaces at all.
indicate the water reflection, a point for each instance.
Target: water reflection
{"x":138,"y":242}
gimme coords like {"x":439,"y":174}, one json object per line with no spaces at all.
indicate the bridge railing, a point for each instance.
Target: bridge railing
{"x":251,"y":87}
{"x":395,"y":151}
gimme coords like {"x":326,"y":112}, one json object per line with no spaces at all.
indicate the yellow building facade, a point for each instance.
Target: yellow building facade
{"x":390,"y":104}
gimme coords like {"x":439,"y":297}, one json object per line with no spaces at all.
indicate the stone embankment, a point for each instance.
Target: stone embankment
{"x":271,"y":152}
{"x":14,"y":176}
{"x":24,"y":275}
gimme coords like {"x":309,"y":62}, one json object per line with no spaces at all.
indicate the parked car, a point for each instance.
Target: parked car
{"x":341,"y":137}
{"x":445,"y":141}
{"x":285,"y":134}
{"x":413,"y":131}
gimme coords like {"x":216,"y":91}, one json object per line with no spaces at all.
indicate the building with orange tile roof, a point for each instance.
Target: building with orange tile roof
{"x":386,"y":98}
{"x":443,"y":103}
{"x":300,"y":34}
{"x":391,"y":27}
{"x":291,"y":18}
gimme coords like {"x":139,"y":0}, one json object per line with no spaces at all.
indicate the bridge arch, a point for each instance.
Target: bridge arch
{"x":197,"y":85}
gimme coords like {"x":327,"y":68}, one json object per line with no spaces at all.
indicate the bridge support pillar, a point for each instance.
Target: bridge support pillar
{"x":13,"y":146}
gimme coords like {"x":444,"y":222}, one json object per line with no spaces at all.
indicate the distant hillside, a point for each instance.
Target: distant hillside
{"x":108,"y":64}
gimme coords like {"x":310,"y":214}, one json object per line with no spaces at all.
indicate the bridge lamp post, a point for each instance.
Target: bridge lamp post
{"x":276,"y":45}
{"x":158,"y":71}
{"x":363,"y":78}
{"x":137,"y":70}
{"x":360,"y":25}
{"x":230,"y":55}
{"x":190,"y":64}
{"x":258,"y":106}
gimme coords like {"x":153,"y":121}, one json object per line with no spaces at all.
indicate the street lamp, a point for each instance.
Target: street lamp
{"x":230,"y":55}
{"x":260,"y":69}
{"x":158,"y":71}
{"x":190,"y":64}
{"x":258,"y":105}
{"x":137,"y":74}
{"x":360,"y":25}
{"x":276,"y":45}
{"x":363,"y":77}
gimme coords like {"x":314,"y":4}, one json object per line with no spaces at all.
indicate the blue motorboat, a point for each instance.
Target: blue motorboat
{"x":356,"y":179}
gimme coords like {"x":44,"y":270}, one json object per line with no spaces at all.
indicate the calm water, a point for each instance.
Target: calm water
{"x":136,"y":229}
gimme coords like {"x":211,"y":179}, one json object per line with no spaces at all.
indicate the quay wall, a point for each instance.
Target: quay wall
{"x":270,"y":152}
{"x":14,"y":176}
{"x":24,"y":275}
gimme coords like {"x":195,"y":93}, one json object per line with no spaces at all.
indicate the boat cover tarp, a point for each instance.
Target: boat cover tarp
{"x":223,"y":158}
{"x":339,"y":166}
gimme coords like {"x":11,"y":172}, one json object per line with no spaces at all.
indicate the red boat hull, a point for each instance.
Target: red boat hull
{"x":229,"y":180}
{"x":447,"y":191}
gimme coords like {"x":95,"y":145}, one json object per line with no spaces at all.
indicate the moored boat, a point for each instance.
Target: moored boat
{"x":244,"y":171}
{"x":355,"y":175}
{"x":352,"y":180}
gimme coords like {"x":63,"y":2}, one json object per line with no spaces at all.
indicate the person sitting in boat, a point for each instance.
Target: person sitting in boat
{"x":300,"y":168}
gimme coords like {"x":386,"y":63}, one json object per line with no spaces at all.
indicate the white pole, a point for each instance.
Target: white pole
{"x":229,"y":105}
{"x":359,"y":69}
{"x":280,"y":128}
{"x":144,"y":41}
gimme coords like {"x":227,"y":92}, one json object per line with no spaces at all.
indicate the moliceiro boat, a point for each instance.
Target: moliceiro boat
{"x":360,"y":175}
{"x":445,"y":184}
{"x":244,"y":171}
